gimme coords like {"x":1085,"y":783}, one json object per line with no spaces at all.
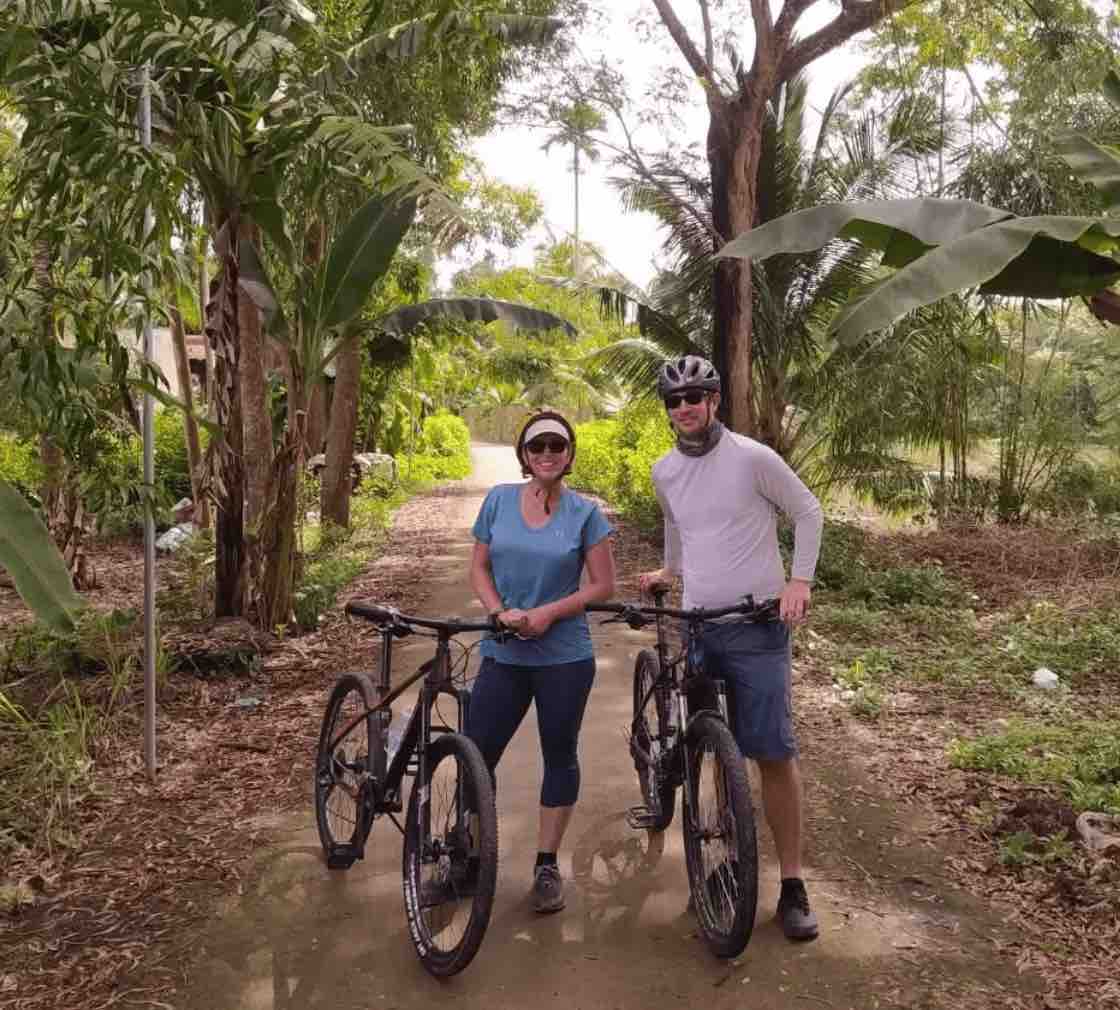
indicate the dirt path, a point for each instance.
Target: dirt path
{"x":893,"y":933}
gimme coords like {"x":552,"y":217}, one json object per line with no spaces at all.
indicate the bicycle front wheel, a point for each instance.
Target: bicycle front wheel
{"x":450,"y":855}
{"x":652,"y":729}
{"x":719,"y":837}
{"x":342,"y":769}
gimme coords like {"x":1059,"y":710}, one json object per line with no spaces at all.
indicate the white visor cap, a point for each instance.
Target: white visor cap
{"x":546,"y":426}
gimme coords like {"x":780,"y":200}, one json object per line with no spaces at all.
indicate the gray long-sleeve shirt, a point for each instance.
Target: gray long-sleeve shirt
{"x":721,"y":527}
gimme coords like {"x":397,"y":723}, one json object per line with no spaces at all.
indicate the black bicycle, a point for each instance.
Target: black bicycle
{"x":679,"y":737}
{"x":450,"y":860}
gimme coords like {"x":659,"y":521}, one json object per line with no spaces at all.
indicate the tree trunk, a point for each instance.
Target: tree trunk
{"x":336,"y":486}
{"x":256,"y":416}
{"x":277,"y":538}
{"x":190,"y":425}
{"x":222,"y":328}
{"x":734,"y":143}
{"x":317,"y":417}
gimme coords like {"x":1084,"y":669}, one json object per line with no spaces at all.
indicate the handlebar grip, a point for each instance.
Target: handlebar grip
{"x":381,"y":615}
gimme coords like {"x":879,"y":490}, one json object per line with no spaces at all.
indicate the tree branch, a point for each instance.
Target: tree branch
{"x":688,"y":49}
{"x":787,"y":19}
{"x":763,"y":28}
{"x":709,"y":41}
{"x":855,"y":16}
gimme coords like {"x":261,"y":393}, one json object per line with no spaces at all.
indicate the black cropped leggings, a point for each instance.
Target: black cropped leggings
{"x":500,"y":698}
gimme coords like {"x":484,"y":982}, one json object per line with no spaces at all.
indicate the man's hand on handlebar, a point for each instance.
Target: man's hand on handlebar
{"x":660,"y":579}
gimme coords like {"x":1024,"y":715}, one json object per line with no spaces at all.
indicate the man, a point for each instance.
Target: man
{"x":719,"y":492}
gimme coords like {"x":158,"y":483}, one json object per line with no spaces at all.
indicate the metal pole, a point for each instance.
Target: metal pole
{"x":149,"y":479}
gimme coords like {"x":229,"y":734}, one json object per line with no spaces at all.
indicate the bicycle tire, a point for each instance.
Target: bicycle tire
{"x":651,"y":727}
{"x":447,"y":936}
{"x":725,"y":894}
{"x":341,"y":766}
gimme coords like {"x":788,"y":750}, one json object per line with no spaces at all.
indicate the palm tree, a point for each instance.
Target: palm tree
{"x":795,"y":295}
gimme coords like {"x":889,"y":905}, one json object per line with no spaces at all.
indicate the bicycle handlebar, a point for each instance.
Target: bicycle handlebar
{"x":638,"y":616}
{"x":391,"y":618}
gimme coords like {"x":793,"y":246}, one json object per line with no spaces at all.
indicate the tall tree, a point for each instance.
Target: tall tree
{"x":736,"y":100}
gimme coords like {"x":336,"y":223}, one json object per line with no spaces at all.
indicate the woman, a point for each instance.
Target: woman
{"x":534,"y":541}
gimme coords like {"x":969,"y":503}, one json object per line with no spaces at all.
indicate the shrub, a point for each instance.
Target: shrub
{"x":445,"y":454}
{"x":1083,"y":759}
{"x":615,"y":457}
{"x":19,"y":465}
{"x":1079,"y":487}
{"x":173,"y":474}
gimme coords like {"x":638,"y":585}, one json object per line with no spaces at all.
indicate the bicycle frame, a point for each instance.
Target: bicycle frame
{"x":382,"y":787}
{"x":677,"y":682}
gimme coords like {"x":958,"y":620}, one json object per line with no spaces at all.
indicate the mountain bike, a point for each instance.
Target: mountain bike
{"x":450,"y":851}
{"x":679,"y":738}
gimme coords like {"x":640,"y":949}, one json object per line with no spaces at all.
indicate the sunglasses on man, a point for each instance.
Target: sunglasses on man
{"x":538,"y":446}
{"x":692,"y":397}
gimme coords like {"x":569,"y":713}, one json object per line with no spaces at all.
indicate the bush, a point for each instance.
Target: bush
{"x":19,"y":465}
{"x":447,"y":440}
{"x":614,"y":459}
{"x":1082,"y":759}
{"x":1080,"y":487}
{"x":173,"y":473}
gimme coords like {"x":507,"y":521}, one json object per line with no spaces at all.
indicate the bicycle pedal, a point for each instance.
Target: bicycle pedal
{"x":342,"y":857}
{"x":640,"y":818}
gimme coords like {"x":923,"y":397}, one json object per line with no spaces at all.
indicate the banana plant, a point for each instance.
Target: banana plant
{"x":33,"y":561}
{"x":933,"y":248}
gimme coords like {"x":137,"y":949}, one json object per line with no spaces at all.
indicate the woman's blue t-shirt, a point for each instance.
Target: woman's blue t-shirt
{"x":532,"y":567}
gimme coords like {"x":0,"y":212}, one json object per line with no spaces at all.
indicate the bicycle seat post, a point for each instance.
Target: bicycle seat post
{"x":659,"y":594}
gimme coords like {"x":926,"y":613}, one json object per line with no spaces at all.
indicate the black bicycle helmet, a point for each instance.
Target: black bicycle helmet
{"x":689,"y":372}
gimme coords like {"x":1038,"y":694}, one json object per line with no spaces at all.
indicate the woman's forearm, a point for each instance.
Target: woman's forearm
{"x":482,"y":582}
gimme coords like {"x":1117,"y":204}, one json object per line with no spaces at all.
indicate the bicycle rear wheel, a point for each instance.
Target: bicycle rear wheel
{"x":450,"y":855}
{"x":652,"y":729}
{"x":719,"y":837}
{"x":342,"y":768}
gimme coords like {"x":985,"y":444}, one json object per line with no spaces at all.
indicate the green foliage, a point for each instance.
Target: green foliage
{"x":892,"y":587}
{"x":172,"y":467}
{"x":1081,"y":487}
{"x":1081,"y":646}
{"x":447,"y":437}
{"x":342,"y":554}
{"x":1081,"y":757}
{"x":34,"y":562}
{"x":614,"y":459}
{"x":19,"y":465}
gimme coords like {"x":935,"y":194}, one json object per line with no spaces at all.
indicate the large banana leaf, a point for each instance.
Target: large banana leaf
{"x":479,"y":310}
{"x":944,"y":246}
{"x":358,"y":259}
{"x":1098,"y":164}
{"x":34,"y":563}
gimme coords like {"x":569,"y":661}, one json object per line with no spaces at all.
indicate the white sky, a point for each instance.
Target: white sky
{"x":629,"y":241}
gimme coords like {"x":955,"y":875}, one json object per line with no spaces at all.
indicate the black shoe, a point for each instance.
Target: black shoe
{"x":461,"y":882}
{"x":797,"y":918}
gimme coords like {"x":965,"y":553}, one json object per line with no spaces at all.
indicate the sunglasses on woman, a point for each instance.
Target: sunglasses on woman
{"x":552,"y":445}
{"x":692,"y":397}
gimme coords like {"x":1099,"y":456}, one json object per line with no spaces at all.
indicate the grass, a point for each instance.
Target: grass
{"x":1081,"y":757}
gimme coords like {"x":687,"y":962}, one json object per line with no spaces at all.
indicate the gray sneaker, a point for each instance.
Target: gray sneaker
{"x":797,"y":918}
{"x":548,"y":888}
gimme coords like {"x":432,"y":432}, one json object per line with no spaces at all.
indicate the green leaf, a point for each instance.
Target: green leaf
{"x":169,"y":400}
{"x":358,"y":259}
{"x":34,"y":562}
{"x":1097,"y":164}
{"x":883,"y":224}
{"x":1036,"y":257}
{"x":404,"y":320}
